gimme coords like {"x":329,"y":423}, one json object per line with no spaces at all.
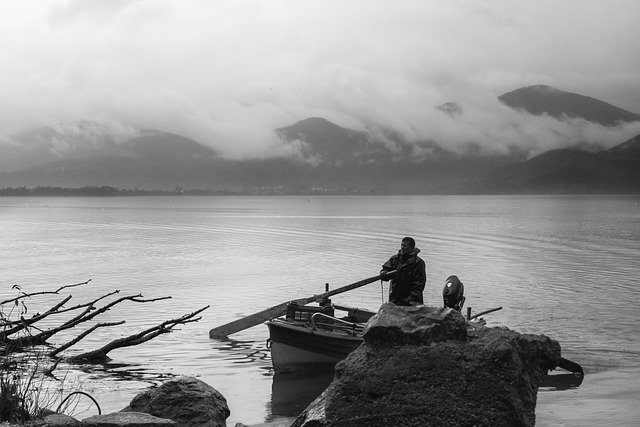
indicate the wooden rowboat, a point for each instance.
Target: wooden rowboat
{"x":314,"y":337}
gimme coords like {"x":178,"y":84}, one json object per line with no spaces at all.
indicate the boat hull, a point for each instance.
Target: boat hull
{"x":295,"y":346}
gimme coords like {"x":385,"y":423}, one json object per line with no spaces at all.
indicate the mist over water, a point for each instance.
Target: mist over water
{"x":563,"y":266}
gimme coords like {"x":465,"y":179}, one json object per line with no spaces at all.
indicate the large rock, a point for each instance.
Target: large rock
{"x":60,"y":420}
{"x":185,"y":400}
{"x":417,"y":325}
{"x":422,"y":366}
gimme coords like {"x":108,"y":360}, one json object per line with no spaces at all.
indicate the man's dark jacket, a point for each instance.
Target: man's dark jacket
{"x":408,"y":283}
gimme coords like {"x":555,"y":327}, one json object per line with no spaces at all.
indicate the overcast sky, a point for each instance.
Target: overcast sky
{"x":227,"y":73}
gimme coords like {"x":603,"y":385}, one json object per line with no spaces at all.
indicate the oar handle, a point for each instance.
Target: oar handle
{"x":349,"y":287}
{"x":570,"y":366}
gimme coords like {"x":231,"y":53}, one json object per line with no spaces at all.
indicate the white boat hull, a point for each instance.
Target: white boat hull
{"x":295,"y":346}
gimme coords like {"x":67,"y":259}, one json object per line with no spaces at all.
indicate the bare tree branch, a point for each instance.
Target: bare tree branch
{"x":24,"y":332}
{"x":88,"y":314}
{"x":23,"y":323}
{"x":77,"y":339}
{"x":32,"y":294}
{"x":100,"y":355}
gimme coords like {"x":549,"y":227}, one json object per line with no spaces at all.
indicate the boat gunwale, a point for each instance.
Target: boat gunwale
{"x":319,"y":330}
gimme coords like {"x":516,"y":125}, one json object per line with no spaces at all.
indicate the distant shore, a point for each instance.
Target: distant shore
{"x":107,"y":191}
{"x":103,"y":191}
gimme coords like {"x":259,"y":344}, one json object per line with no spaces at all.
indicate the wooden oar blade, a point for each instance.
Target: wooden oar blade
{"x":252,"y":320}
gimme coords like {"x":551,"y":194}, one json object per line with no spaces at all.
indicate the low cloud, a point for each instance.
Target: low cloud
{"x":227,"y":74}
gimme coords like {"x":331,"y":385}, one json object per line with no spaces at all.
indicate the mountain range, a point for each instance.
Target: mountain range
{"x":330,"y":159}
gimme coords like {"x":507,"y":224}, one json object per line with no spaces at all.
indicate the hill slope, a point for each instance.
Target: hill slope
{"x":627,"y":150}
{"x":616,"y":170}
{"x":543,"y":99}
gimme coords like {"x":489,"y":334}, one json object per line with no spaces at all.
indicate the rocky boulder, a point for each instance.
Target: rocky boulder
{"x":425,"y":366}
{"x":417,"y":325}
{"x":186,"y":400}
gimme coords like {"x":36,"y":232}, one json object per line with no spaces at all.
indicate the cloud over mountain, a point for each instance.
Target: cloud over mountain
{"x":316,"y":154}
{"x":226,"y":74}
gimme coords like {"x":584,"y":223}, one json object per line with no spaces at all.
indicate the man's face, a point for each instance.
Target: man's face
{"x":405,"y":248}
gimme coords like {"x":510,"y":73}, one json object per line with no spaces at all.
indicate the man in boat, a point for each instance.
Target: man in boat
{"x":408,"y":283}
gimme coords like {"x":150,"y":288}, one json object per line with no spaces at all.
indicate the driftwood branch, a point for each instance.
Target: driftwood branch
{"x":77,"y":339}
{"x":12,"y":327}
{"x":56,"y":309}
{"x":22,"y":324}
{"x":32,"y":294}
{"x":89,"y":312}
{"x":100,"y":355}
{"x":19,"y":332}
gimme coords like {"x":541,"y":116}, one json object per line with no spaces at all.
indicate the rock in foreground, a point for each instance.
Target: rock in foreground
{"x":423,"y":366}
{"x":185,"y":400}
{"x":127,"y":419}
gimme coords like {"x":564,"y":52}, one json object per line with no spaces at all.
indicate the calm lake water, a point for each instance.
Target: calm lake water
{"x":563,"y":266}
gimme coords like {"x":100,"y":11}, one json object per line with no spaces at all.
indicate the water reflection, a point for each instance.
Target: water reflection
{"x":243,"y":352}
{"x":561,"y":382}
{"x":292,"y":392}
{"x":124,"y":372}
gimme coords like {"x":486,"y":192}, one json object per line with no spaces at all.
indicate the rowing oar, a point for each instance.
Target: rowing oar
{"x":482,"y":313}
{"x":280,"y":309}
{"x":570,"y":366}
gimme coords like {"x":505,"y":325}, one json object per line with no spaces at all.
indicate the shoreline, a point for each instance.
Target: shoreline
{"x":605,"y":398}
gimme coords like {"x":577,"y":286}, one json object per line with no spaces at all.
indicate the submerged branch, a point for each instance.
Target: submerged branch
{"x":19,"y":332}
{"x":100,"y":355}
{"x":77,"y":339}
{"x":89,"y":313}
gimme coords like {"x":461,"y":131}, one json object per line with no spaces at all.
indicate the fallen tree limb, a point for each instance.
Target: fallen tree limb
{"x":89,"y":312}
{"x":24,"y":295}
{"x":18,"y":332}
{"x":101,"y":355}
{"x":77,"y":339}
{"x":13,"y":327}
